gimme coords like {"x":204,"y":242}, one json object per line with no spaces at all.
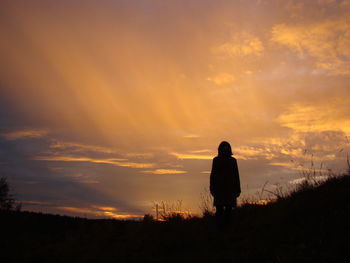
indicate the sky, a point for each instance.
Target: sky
{"x":109,"y":107}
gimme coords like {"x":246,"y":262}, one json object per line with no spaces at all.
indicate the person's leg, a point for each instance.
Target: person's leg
{"x":227,"y":215}
{"x":219,"y":214}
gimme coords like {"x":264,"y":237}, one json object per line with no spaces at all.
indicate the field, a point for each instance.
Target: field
{"x":310,"y":224}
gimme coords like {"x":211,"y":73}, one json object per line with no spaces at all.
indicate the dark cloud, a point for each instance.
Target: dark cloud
{"x":59,"y":184}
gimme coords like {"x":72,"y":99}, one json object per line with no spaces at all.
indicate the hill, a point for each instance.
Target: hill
{"x":310,"y":224}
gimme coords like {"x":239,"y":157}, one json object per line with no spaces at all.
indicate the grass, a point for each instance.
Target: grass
{"x":309,"y":224}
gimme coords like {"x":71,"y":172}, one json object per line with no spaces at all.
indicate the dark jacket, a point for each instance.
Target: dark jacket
{"x":224,"y":181}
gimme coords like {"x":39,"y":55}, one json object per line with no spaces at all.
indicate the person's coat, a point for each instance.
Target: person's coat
{"x":224,"y":181}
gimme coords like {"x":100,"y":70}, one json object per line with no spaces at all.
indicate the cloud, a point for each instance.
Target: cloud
{"x":76,"y":209}
{"x":254,"y":152}
{"x":319,"y":178}
{"x":79,"y":147}
{"x":327,"y":42}
{"x":201,"y":151}
{"x":106,"y":208}
{"x":222,"y":79}
{"x":240,"y":45}
{"x":138,"y":155}
{"x":192,"y":156}
{"x":289,"y":164}
{"x":164,"y":171}
{"x":112,"y":161}
{"x":315,"y":118}
{"x":300,"y":167}
{"x":21,"y":134}
{"x":99,"y":211}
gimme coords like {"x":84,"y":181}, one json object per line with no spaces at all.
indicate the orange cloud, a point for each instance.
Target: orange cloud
{"x":165,"y":171}
{"x":283,"y":164}
{"x":314,"y":179}
{"x":192,"y":156}
{"x":201,"y":151}
{"x":241,"y":44}
{"x":315,"y":118}
{"x":328,"y":42}
{"x":14,"y":135}
{"x":122,"y":216}
{"x":112,"y":161}
{"x":100,"y":211}
{"x":251,"y":152}
{"x":76,"y":209}
{"x":105,"y":208}
{"x":79,"y":147}
{"x":222,"y":79}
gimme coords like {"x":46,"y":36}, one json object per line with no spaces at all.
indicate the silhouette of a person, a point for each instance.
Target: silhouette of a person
{"x":224,"y":184}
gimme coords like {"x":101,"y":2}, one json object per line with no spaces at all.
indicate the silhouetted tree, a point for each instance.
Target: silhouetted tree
{"x":148,"y":218}
{"x":7,"y":202}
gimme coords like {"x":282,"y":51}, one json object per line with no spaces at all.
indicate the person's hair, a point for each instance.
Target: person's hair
{"x":224,"y":149}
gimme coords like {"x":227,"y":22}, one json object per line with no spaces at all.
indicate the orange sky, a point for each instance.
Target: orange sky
{"x":123,"y":103}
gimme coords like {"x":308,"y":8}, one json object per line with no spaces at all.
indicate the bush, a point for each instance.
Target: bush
{"x":7,"y":202}
{"x":148,"y":218}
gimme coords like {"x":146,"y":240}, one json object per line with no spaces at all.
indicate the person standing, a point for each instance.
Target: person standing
{"x":224,"y":184}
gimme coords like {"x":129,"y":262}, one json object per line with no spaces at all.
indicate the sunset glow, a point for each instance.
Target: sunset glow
{"x":108,"y":106}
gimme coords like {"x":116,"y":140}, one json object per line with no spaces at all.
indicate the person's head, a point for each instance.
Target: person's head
{"x":224,"y":149}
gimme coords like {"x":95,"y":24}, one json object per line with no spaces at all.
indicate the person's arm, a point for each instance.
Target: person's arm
{"x":237,"y":183}
{"x":212,"y":186}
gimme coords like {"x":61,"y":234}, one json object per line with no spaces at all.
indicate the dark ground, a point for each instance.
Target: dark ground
{"x":310,"y":225}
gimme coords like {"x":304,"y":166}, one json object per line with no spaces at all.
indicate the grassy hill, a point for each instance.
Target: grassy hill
{"x":309,"y":225}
